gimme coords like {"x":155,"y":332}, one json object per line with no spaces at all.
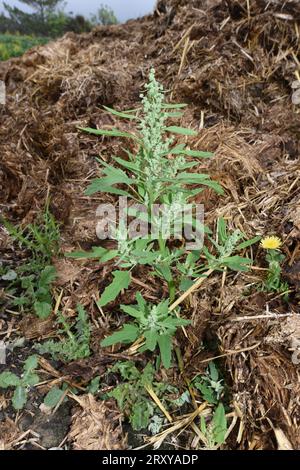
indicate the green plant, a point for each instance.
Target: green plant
{"x":154,"y":323}
{"x":210,"y":385}
{"x":274,"y":257}
{"x":226,"y":245}
{"x":155,"y":174}
{"x":29,"y":285}
{"x":40,"y":238}
{"x":214,"y":432}
{"x":21,"y":384}
{"x":133,"y":398}
{"x":75,"y":345}
{"x":36,"y":291}
{"x":12,"y":45}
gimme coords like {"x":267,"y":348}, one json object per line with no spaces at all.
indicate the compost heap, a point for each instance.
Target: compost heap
{"x":236,"y":64}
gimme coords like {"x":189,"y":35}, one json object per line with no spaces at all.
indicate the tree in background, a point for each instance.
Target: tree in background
{"x":49,"y":19}
{"x":43,"y":8}
{"x":31,"y":23}
{"x":104,"y":16}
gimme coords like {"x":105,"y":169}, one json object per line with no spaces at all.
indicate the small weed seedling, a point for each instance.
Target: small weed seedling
{"x":75,"y":345}
{"x":226,"y":245}
{"x":154,"y":323}
{"x":21,"y":384}
{"x":133,"y":398}
{"x":210,"y":385}
{"x":215,"y":431}
{"x":30,"y":284}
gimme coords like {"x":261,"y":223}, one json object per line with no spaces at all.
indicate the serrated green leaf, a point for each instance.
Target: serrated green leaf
{"x":131,"y":310}
{"x":236,"y":263}
{"x":121,"y":281}
{"x":42,"y":309}
{"x":31,"y":379}
{"x":206,"y":392}
{"x":8,"y":379}
{"x":31,"y":363}
{"x":140,"y":414}
{"x":128,"y":165}
{"x":48,"y":275}
{"x":94,"y":385}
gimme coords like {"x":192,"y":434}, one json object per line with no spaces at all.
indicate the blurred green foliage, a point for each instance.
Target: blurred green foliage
{"x":14,"y":45}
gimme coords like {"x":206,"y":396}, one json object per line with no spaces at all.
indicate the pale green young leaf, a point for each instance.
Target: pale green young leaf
{"x":173,"y":115}
{"x":8,"y":379}
{"x":42,"y":309}
{"x":31,"y":379}
{"x":31,"y":363}
{"x":53,"y":397}
{"x":19,"y":397}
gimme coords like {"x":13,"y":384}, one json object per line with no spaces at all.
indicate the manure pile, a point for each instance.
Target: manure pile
{"x":235,"y":64}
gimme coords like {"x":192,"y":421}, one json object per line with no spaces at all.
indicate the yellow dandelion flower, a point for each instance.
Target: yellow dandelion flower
{"x":271,"y":243}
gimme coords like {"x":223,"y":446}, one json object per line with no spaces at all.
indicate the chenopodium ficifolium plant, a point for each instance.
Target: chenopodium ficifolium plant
{"x":155,"y":174}
{"x":21,"y":384}
{"x":154,"y":323}
{"x":76,"y":344}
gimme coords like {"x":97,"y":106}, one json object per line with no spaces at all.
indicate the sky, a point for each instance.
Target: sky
{"x":124,"y":9}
